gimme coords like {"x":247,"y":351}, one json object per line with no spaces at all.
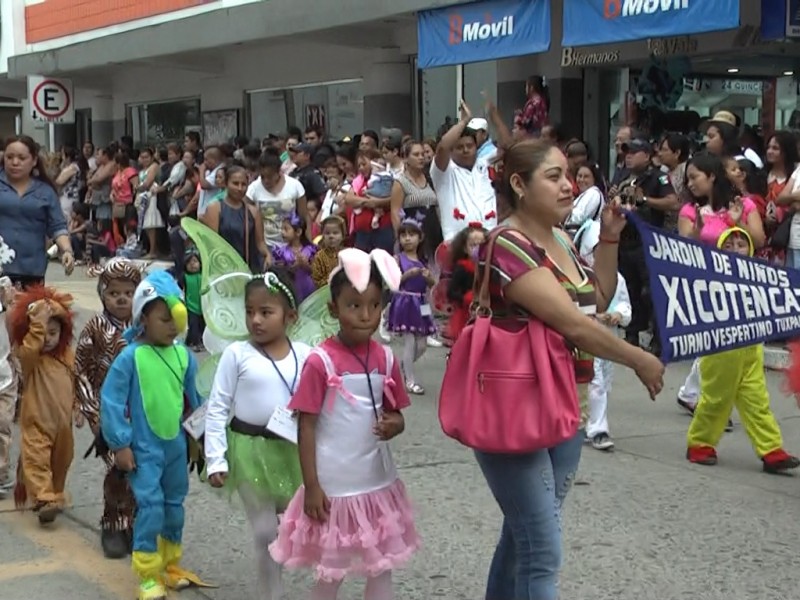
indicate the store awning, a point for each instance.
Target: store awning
{"x":589,"y":22}
{"x":482,"y":31}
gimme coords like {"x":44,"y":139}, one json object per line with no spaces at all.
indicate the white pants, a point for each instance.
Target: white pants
{"x":690,"y":390}
{"x":263,"y":519}
{"x":598,"y":397}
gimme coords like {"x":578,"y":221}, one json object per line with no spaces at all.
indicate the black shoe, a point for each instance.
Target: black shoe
{"x":602,"y":442}
{"x":729,"y":426}
{"x":115,"y":544}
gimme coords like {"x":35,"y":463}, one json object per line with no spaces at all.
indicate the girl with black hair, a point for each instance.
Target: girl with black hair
{"x":463,"y":254}
{"x":349,"y":400}
{"x":296,"y":254}
{"x":254,"y":379}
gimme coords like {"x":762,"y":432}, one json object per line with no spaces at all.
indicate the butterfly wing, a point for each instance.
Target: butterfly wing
{"x":222,"y":302}
{"x":315,"y":322}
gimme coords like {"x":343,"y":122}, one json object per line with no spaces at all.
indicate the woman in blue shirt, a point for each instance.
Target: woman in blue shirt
{"x":30,"y":213}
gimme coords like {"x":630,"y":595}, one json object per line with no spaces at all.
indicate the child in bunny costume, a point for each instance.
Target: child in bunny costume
{"x":352,"y":515}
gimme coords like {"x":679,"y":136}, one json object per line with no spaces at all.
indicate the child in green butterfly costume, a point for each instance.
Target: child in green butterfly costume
{"x":149,"y":389}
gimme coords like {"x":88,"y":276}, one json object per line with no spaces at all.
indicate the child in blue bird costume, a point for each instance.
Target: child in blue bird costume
{"x":149,"y":390}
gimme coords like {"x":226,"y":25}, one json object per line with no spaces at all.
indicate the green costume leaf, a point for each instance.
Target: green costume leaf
{"x":315,"y":322}
{"x":204,"y":379}
{"x":223,"y":302}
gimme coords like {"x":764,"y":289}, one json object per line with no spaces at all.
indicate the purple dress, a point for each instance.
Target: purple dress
{"x":405,"y":312}
{"x":301,"y":276}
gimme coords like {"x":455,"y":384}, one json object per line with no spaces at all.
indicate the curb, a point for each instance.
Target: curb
{"x":776,"y":358}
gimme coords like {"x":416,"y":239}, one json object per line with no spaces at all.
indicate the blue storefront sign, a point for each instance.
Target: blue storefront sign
{"x":588,"y":22}
{"x":482,"y":31}
{"x":780,"y":19}
{"x":707,"y":301}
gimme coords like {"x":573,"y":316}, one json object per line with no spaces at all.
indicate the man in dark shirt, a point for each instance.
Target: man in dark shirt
{"x":648,"y":191}
{"x":306,"y":173}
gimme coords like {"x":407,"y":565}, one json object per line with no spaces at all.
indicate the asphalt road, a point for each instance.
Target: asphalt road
{"x":642,"y":523}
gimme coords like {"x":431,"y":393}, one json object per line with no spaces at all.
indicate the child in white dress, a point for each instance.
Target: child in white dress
{"x":352,"y":515}
{"x":616,"y":318}
{"x":253,"y":379}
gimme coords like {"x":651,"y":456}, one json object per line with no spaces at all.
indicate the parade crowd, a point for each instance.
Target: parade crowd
{"x":508,"y":247}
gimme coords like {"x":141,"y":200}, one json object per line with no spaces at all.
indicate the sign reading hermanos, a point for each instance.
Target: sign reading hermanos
{"x":572,"y":57}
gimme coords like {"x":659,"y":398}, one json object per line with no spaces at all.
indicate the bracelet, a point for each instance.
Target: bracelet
{"x":608,"y":241}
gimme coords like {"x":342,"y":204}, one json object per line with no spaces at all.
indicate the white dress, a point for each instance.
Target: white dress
{"x":370,"y":525}
{"x":152,"y":216}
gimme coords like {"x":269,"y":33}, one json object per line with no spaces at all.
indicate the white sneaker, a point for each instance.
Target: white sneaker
{"x":433,"y":342}
{"x":602,"y":442}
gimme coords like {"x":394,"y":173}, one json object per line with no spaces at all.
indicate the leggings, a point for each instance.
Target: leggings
{"x":414,"y":347}
{"x":263,"y":519}
{"x":377,"y":588}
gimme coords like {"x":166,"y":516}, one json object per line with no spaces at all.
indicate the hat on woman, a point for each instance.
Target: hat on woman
{"x":723,"y":116}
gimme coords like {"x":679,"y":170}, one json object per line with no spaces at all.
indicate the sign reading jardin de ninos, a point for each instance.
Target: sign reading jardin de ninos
{"x":708,"y":301}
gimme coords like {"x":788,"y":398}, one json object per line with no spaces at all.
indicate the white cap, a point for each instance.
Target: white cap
{"x":478,"y":124}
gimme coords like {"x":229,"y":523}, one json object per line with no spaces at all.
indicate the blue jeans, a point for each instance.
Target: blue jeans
{"x":382,"y":238}
{"x":530,"y":489}
{"x":793,"y":258}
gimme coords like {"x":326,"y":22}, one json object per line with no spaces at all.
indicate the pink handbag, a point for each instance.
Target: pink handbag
{"x":509,"y":385}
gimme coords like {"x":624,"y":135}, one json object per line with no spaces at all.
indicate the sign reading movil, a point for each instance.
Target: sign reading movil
{"x":482,"y":31}
{"x":629,"y":8}
{"x":461,"y":32}
{"x":588,"y":22}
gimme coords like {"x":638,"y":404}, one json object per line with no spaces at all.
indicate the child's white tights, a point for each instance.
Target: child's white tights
{"x":377,"y":588}
{"x":263,"y":519}
{"x":414,"y":347}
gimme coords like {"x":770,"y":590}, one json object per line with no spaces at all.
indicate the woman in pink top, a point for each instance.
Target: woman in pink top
{"x":123,"y":184}
{"x":716,"y":200}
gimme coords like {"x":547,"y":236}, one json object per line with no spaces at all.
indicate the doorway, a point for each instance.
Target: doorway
{"x":83,"y":126}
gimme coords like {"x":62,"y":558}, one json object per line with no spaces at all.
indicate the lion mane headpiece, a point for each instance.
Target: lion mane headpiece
{"x":60,"y":306}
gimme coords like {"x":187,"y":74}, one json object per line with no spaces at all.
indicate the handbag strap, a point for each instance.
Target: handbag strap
{"x":481,"y":291}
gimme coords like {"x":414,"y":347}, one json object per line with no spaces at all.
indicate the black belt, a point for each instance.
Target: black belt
{"x":239,"y":426}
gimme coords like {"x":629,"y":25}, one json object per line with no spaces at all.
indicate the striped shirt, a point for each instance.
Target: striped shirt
{"x":514,"y":256}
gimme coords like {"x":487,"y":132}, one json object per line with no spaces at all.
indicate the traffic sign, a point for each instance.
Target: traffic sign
{"x":50,"y":99}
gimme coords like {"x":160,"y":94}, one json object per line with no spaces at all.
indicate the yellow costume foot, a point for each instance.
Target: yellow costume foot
{"x":176,"y":578}
{"x":152,"y":590}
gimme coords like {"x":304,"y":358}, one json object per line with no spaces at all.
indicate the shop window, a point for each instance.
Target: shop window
{"x":335,"y":106}
{"x":440,"y":99}
{"x":159,"y":123}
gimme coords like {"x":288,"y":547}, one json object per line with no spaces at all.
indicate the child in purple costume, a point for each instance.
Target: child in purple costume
{"x":295,"y":255}
{"x":410,"y":311}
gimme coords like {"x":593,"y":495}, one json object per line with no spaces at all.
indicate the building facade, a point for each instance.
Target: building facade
{"x":155,"y":69}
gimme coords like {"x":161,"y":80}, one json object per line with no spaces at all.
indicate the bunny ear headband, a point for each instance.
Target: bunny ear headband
{"x":272,"y":281}
{"x":357,"y":266}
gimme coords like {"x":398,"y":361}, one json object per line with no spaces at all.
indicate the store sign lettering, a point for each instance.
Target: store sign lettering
{"x":672,"y":46}
{"x":630,"y":8}
{"x":738,"y":86}
{"x":570,"y":57}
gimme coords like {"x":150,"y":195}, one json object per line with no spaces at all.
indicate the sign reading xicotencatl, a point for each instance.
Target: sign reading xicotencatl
{"x":707,"y":301}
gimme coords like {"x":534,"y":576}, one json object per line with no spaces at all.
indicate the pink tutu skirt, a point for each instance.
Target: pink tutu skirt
{"x":366,"y":535}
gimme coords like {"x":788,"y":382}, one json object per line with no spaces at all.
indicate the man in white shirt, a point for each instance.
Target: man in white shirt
{"x":487,"y":150}
{"x":463,"y":188}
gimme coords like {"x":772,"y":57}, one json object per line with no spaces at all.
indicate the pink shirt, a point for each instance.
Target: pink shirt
{"x":120,"y":184}
{"x":715,"y":224}
{"x":312,"y":390}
